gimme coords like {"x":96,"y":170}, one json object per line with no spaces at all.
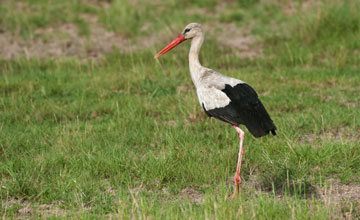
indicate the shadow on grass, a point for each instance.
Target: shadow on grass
{"x":285,"y":187}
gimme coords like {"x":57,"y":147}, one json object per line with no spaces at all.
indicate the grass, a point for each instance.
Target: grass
{"x":124,"y":137}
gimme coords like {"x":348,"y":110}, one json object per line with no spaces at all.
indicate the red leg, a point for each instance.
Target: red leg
{"x":237,"y":178}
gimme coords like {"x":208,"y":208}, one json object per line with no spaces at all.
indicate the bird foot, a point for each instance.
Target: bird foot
{"x":237,"y":186}
{"x":232,"y":196}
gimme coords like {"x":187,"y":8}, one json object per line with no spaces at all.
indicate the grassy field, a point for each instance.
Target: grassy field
{"x":91,"y":126}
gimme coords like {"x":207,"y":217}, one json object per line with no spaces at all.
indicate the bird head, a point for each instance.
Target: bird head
{"x":191,"y":31}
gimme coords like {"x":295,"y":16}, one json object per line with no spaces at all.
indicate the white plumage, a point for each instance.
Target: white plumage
{"x":210,"y":86}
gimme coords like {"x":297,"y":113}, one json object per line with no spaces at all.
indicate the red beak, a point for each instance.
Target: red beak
{"x":171,"y":45}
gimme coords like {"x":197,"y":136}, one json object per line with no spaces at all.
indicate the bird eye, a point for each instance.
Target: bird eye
{"x":186,"y":30}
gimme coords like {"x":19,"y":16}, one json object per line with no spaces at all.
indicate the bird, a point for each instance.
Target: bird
{"x":222,"y":97}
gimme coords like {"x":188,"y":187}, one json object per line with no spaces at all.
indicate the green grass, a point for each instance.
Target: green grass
{"x":117,"y":138}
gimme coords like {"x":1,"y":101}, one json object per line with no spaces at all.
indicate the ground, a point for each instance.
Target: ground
{"x":93,"y":127}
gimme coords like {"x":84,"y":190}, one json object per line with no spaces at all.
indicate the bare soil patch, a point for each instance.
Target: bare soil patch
{"x":193,"y":194}
{"x":335,"y":191}
{"x":345,"y":198}
{"x":30,"y":210}
{"x":238,"y":39}
{"x":344,"y":134}
{"x":64,"y":40}
{"x":294,"y":7}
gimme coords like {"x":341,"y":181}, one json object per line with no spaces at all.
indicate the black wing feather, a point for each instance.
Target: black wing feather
{"x":245,"y":108}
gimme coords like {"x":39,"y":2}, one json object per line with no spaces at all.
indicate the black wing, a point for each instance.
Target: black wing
{"x":245,"y":108}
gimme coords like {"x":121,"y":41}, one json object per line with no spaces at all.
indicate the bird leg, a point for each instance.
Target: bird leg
{"x":237,"y":178}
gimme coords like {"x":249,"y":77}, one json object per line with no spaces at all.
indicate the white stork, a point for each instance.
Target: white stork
{"x":227,"y":99}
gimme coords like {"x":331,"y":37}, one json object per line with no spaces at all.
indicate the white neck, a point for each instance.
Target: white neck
{"x":194,"y":64}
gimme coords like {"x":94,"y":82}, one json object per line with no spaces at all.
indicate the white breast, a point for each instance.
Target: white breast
{"x":209,"y":86}
{"x":212,"y":98}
